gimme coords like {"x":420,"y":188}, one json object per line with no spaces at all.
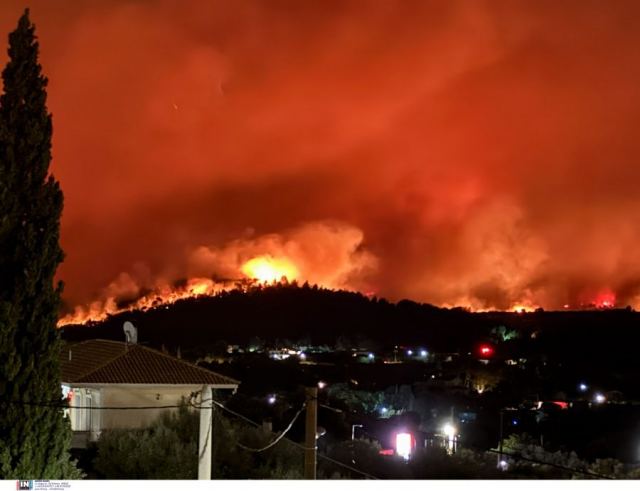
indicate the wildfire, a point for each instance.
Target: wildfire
{"x":523,"y":308}
{"x":267,"y":269}
{"x":262,"y":269}
{"x":605,"y":300}
{"x":161,"y":295}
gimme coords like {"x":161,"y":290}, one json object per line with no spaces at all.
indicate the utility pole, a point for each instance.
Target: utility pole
{"x":501,"y":438}
{"x":205,"y":436}
{"x":353,"y":431}
{"x":311,"y":427}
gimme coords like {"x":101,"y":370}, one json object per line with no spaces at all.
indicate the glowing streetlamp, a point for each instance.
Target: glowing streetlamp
{"x":404,"y":445}
{"x":450,"y":432}
{"x":271,"y":399}
{"x":599,"y":398}
{"x":583,"y":387}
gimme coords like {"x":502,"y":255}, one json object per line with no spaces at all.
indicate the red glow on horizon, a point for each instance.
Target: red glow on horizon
{"x":605,"y":300}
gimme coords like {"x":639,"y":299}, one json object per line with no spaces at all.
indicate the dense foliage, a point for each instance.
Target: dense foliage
{"x":168,"y":449}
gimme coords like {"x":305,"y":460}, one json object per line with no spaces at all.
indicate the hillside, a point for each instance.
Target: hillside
{"x":319,"y":316}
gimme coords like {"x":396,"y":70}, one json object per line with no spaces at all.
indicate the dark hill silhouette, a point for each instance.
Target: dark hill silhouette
{"x":320,"y":316}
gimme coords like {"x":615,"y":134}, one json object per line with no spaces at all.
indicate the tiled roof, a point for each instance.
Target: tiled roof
{"x":99,"y":361}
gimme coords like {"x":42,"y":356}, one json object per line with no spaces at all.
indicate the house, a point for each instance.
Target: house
{"x":101,"y":376}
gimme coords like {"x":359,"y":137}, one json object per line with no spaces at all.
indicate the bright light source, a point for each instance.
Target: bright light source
{"x":267,"y":269}
{"x":321,"y":384}
{"x":449,"y":430}
{"x":302,"y":356}
{"x":383,"y":410}
{"x":410,"y":352}
{"x":599,"y":398}
{"x":271,"y":399}
{"x":486,"y":350}
{"x":514,"y":422}
{"x":423,"y":353}
{"x":583,"y":387}
{"x":371,"y":356}
{"x":503,"y":464}
{"x":403,"y":445}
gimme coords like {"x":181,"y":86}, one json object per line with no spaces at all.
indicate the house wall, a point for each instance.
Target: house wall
{"x":133,"y":396}
{"x":87,"y":419}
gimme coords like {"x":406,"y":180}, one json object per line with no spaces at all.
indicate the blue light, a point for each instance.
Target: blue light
{"x":423,"y":353}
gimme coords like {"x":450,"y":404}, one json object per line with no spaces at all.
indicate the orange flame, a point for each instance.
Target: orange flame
{"x":161,"y":295}
{"x":267,"y":269}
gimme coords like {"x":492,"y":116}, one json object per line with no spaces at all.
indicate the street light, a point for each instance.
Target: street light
{"x":599,"y":398}
{"x":450,"y":431}
{"x":271,"y":399}
{"x":583,"y":387}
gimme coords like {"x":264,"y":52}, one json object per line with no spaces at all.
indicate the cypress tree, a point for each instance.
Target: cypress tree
{"x":34,"y":439}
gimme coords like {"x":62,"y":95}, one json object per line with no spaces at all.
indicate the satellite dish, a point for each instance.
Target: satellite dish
{"x":130,"y":333}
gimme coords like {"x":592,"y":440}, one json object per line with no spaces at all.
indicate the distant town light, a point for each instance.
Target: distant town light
{"x":321,"y":384}
{"x":503,"y":465}
{"x":403,"y":445}
{"x":271,"y":399}
{"x":599,"y":398}
{"x":423,"y":353}
{"x":514,"y":422}
{"x":371,"y":356}
{"x":383,"y":410}
{"x":302,"y":356}
{"x":410,"y":352}
{"x":583,"y":387}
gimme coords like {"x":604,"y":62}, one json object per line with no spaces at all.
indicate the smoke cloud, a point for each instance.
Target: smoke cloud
{"x":473,"y":153}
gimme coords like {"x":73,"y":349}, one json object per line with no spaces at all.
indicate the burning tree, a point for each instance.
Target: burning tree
{"x":34,"y":436}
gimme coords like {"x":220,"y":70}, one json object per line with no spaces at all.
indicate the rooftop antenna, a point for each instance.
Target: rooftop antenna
{"x":130,"y":333}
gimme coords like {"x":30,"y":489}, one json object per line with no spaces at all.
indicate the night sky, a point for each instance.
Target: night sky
{"x":473,"y":153}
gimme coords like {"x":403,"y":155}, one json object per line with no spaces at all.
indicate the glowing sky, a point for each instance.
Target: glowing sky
{"x":482,"y":153}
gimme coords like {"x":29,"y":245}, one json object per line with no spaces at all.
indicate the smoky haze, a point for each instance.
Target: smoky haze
{"x":482,"y":154}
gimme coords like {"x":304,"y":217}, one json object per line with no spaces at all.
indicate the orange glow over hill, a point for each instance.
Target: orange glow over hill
{"x":267,"y":269}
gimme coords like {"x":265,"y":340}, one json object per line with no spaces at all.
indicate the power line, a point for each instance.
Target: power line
{"x":281,"y":436}
{"x":94,"y":408}
{"x":550,"y":464}
{"x":321,"y":456}
{"x":175,"y":406}
{"x":249,"y":449}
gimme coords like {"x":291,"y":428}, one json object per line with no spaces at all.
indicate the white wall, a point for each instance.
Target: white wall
{"x":133,"y":396}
